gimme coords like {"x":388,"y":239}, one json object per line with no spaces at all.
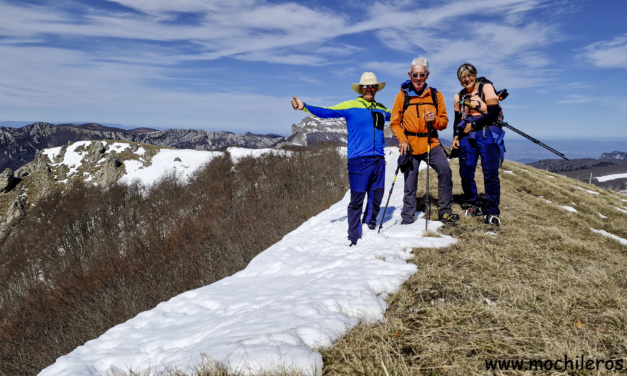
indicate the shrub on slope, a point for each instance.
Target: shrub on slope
{"x":84,"y":261}
{"x":540,"y":287}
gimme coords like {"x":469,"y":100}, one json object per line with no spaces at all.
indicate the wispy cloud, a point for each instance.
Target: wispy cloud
{"x":575,"y":98}
{"x":138,"y":56}
{"x":388,"y":67}
{"x":607,"y":54}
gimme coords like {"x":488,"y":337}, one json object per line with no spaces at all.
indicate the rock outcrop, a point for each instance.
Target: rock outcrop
{"x":312,"y":130}
{"x":6,"y":180}
{"x":619,"y":155}
{"x":15,"y":210}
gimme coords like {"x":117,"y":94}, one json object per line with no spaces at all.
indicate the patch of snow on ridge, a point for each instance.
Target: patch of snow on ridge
{"x":611,"y":236}
{"x":569,"y":208}
{"x":602,"y":216}
{"x":601,"y":179}
{"x":182,"y":163}
{"x":51,"y":153}
{"x":239,"y":153}
{"x":589,"y":191}
{"x":301,"y":293}
{"x":509,"y":172}
{"x":547,"y":201}
{"x":73,"y":159}
{"x":620,"y":210}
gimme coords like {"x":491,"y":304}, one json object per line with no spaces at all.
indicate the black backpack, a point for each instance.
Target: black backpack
{"x":502,"y":94}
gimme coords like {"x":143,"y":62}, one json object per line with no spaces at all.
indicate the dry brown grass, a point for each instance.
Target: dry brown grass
{"x":207,"y":367}
{"x":541,"y":287}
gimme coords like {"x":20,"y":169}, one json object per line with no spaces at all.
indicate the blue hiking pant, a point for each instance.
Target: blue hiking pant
{"x":469,"y":151}
{"x":366,"y":175}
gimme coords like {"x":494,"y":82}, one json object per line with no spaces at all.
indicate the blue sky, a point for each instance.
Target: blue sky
{"x":233,"y":65}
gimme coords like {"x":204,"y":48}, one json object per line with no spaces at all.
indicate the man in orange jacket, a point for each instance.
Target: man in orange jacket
{"x":417,"y":109}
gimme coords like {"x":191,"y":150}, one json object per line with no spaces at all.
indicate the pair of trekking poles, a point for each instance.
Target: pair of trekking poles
{"x":429,"y":129}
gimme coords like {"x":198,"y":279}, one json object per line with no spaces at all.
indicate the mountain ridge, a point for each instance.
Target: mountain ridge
{"x":18,"y":146}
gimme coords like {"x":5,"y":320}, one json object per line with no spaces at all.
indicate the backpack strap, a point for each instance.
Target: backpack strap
{"x":434,"y":99}
{"x":480,"y":91}
{"x":462,"y":110}
{"x":405,"y":105}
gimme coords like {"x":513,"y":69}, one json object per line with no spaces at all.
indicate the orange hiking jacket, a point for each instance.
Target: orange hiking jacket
{"x":414,"y":119}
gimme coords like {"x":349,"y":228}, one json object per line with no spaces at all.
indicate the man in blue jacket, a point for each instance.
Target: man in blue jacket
{"x":365,"y":119}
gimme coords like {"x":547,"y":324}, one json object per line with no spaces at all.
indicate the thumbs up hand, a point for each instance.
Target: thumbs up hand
{"x":297,"y":104}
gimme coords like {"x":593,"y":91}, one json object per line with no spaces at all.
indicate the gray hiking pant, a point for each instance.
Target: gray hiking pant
{"x":445,"y":184}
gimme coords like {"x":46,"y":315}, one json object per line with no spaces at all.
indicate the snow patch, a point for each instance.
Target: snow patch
{"x":51,"y":153}
{"x":620,"y":210}
{"x":592,"y":192}
{"x":602,"y":216}
{"x":509,"y":172}
{"x":611,"y":177}
{"x":612,"y":236}
{"x":239,"y":153}
{"x":182,"y":163}
{"x":569,"y":208}
{"x":547,"y":201}
{"x":305,"y":291}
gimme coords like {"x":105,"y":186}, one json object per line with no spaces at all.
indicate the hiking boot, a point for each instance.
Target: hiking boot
{"x":352,"y":242}
{"x":473,"y":210}
{"x":492,"y":219}
{"x":372,"y":227}
{"x":449,"y":217}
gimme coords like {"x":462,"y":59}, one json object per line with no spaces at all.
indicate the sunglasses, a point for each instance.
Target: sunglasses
{"x":422,"y":75}
{"x":369,"y":86}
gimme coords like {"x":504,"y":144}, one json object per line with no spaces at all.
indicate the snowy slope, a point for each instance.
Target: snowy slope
{"x":148,"y":167}
{"x":182,"y":162}
{"x":302,"y":293}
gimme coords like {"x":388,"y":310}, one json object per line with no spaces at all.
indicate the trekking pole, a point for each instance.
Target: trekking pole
{"x":398,"y":167}
{"x":506,"y":125}
{"x":428,"y":209}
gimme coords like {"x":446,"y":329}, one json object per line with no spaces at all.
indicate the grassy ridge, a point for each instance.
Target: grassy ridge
{"x":541,"y":287}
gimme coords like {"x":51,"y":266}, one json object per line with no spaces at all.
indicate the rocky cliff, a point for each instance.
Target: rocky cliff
{"x":18,"y":146}
{"x":313,"y":130}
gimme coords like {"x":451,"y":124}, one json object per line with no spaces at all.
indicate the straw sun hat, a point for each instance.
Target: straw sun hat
{"x":368,"y":78}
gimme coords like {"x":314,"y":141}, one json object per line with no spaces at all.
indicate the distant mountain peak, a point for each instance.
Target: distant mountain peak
{"x":622,"y":156}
